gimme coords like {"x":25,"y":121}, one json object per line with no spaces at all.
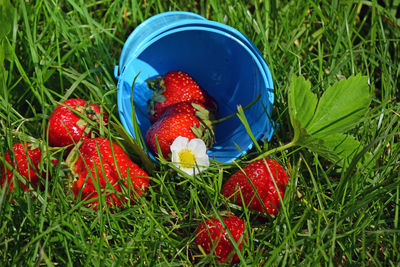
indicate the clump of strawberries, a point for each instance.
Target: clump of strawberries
{"x":97,"y":165}
{"x":259,"y":186}
{"x":179,"y":107}
{"x":100,"y":169}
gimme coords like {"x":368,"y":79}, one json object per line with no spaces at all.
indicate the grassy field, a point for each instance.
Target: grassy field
{"x":53,"y":50}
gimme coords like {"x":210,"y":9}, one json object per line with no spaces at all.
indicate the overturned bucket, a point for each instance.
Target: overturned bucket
{"x":223,"y":61}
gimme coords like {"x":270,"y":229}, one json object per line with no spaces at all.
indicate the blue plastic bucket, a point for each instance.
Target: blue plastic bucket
{"x":221,"y":59}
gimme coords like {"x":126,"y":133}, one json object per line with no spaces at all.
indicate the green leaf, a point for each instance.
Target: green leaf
{"x":338,"y":148}
{"x":158,"y":98}
{"x":341,"y":107}
{"x":320,"y":125}
{"x":302,"y":102}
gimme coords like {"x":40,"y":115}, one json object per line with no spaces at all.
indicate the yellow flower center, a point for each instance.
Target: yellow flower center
{"x":186,"y":158}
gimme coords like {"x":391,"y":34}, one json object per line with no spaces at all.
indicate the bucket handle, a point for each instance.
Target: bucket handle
{"x":116,"y":72}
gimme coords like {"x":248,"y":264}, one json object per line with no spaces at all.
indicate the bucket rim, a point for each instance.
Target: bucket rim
{"x":219,"y":26}
{"x":261,"y":64}
{"x":192,"y":23}
{"x":142,"y":26}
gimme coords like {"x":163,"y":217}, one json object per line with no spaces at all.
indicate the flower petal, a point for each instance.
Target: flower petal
{"x":197,"y":146}
{"x":179,"y":143}
{"x":203,"y":162}
{"x":189,"y":171}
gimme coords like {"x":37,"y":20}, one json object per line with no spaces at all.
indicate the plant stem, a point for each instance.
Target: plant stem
{"x":265,"y":154}
{"x":234,"y":114}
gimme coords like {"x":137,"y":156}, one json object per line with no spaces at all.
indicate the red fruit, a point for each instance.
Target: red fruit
{"x":66,"y":128}
{"x":174,"y":87}
{"x":26,"y":168}
{"x":213,"y":238}
{"x":96,"y":165}
{"x":263,"y":182}
{"x":182,"y":119}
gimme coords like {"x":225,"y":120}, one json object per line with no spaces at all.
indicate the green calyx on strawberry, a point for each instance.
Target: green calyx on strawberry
{"x":268,"y":178}
{"x":212,"y":237}
{"x":100,"y":166}
{"x":69,"y":122}
{"x":175,"y":87}
{"x":186,"y":119}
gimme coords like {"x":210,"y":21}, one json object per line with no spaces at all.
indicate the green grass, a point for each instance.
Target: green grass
{"x":331,"y":216}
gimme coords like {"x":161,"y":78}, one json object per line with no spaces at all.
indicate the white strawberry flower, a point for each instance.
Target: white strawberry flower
{"x":190,"y":156}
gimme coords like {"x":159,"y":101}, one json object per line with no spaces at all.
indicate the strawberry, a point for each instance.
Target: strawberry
{"x":186,"y":119}
{"x":27,"y":160}
{"x":212,"y":237}
{"x":96,"y":164}
{"x":174,"y":87}
{"x":262,"y":178}
{"x":67,"y":128}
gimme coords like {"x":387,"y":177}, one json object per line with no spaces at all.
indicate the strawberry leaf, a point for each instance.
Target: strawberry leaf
{"x":320,"y":125}
{"x":341,"y":107}
{"x":158,"y":98}
{"x":158,"y":87}
{"x":302,"y":102}
{"x":337,"y":148}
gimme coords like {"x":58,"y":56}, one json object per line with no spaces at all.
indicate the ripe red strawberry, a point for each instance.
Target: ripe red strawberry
{"x":260,"y":176}
{"x":27,"y":160}
{"x":66,"y":128}
{"x":96,"y":165}
{"x":174,"y":87}
{"x":213,"y":238}
{"x":184,"y":119}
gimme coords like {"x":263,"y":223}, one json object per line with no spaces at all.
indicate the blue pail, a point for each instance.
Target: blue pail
{"x":220,"y":59}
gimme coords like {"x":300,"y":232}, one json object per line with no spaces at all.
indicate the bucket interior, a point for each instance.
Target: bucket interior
{"x":222,"y":66}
